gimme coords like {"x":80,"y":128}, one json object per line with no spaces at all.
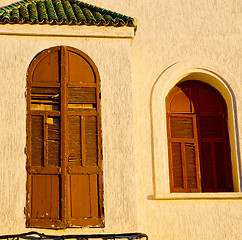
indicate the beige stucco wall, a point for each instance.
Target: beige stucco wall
{"x":207,"y":32}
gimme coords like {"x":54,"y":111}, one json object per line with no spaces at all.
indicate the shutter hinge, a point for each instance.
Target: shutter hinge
{"x":100,"y":95}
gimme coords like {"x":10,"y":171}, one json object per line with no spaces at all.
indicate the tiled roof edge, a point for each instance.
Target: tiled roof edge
{"x":102,"y":10}
{"x":102,"y":16}
{"x":132,"y":21}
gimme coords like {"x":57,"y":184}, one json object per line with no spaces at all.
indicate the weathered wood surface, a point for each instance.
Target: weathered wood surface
{"x":64,"y":141}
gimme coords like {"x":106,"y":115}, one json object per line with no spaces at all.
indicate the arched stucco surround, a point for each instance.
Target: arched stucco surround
{"x":182,"y":71}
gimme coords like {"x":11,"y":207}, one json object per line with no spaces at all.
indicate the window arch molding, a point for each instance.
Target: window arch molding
{"x":175,"y":73}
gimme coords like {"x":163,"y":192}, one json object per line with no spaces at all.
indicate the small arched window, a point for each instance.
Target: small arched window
{"x":199,"y":149}
{"x":64,"y":158}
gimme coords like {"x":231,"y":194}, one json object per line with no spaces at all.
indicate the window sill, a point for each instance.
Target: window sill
{"x":187,"y":196}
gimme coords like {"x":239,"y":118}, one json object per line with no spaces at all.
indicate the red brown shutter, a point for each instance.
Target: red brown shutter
{"x":199,"y":153}
{"x":184,"y":165}
{"x":182,"y":140}
{"x":213,"y":138}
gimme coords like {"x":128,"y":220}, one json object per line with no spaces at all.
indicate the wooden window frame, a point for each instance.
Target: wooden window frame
{"x":65,"y":168}
{"x":196,"y":115}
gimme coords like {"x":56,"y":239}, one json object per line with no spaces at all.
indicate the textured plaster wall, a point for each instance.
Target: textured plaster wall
{"x":112,"y":58}
{"x":206,"y":31}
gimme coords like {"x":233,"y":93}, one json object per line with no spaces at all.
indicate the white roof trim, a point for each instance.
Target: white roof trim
{"x":67,"y":31}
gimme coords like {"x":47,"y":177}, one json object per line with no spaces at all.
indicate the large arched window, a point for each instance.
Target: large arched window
{"x":198,"y":141}
{"x":64,"y":158}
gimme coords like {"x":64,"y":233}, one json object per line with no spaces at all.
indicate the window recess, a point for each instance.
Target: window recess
{"x":198,"y":141}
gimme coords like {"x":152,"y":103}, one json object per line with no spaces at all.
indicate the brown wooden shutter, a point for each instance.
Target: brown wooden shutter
{"x":43,"y":145}
{"x":63,"y":141}
{"x":199,"y":153}
{"x":182,"y":140}
{"x":84,"y":139}
{"x":184,"y":162}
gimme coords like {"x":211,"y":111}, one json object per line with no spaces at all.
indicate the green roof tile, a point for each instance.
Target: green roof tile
{"x":71,"y":12}
{"x":51,"y":11}
{"x":42,"y":13}
{"x":14,"y":15}
{"x":33,"y":13}
{"x":23,"y":12}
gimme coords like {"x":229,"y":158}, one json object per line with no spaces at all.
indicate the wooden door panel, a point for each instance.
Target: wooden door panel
{"x":46,"y":72}
{"x":84,"y":196}
{"x":80,"y":196}
{"x":45,"y":197}
{"x":80,"y":70}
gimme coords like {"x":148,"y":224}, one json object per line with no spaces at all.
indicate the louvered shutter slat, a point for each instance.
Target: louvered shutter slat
{"x":37,"y":141}
{"x":177,"y":169}
{"x":91,"y":139}
{"x":75,"y":149}
{"x":181,"y":127}
{"x":53,"y":141}
{"x":191,"y":166}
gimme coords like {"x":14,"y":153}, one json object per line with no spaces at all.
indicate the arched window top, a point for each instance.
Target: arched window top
{"x":195,"y":97}
{"x":45,"y":70}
